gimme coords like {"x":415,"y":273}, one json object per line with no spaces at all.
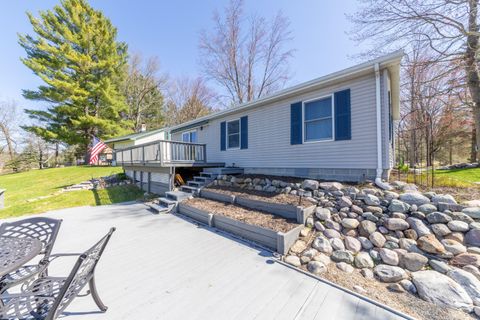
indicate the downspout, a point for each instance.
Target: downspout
{"x":378,"y":102}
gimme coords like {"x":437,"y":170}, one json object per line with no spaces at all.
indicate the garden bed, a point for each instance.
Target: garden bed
{"x":274,"y":232}
{"x":284,"y":205}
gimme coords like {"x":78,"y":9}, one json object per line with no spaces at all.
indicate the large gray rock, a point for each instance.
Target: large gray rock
{"x":398,"y":206}
{"x":323,"y":213}
{"x":464,"y":259}
{"x":469,"y":282}
{"x":458,"y":226}
{"x":427,"y":208}
{"x":473,"y":212}
{"x":472,"y":237}
{"x":337,"y":244}
{"x":440,"y":229}
{"x":322,"y":245}
{"x":367,"y":227}
{"x":352,"y":244}
{"x":342,"y":256}
{"x":443,"y":198}
{"x":439,"y":266}
{"x":389,"y":274}
{"x":366,"y":244}
{"x":331,"y":233}
{"x":377,"y":239}
{"x":363,"y":260}
{"x":438,"y":217}
{"x":420,"y":228}
{"x":331,"y":186}
{"x":350,"y":223}
{"x":395,"y":224}
{"x":430,"y":244}
{"x":389,"y":256}
{"x":310,"y":185}
{"x":414,"y":198}
{"x":371,"y":200}
{"x":453,"y":246}
{"x":441,"y":290}
{"x":345,"y":202}
{"x":413,"y":261}
{"x":316,"y":267}
{"x":293,"y":260}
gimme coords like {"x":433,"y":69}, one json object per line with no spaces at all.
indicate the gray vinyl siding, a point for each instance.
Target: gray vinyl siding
{"x":269,"y":134}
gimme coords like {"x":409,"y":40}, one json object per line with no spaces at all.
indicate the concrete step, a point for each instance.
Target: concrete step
{"x":223,"y":170}
{"x":190,"y":189}
{"x":194,"y":183}
{"x":158,"y":208}
{"x":203,"y":179}
{"x":177,"y":195}
{"x":167,"y":202}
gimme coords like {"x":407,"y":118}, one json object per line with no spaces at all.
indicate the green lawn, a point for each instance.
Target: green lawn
{"x":456,"y":178}
{"x":46,"y":183}
{"x":466,"y":175}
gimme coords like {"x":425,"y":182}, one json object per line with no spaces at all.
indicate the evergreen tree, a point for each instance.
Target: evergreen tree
{"x":82,"y":65}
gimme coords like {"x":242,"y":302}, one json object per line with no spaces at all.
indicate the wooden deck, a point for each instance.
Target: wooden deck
{"x":165,"y":267}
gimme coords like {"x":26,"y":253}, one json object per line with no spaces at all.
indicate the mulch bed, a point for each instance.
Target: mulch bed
{"x":262,"y":196}
{"x":249,"y":216}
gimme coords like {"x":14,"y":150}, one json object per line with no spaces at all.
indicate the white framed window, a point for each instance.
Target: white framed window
{"x":190,"y":136}
{"x":233,"y":134}
{"x":318,"y":122}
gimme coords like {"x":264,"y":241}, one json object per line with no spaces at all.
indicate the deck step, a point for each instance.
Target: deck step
{"x":167,"y":202}
{"x":194,"y":183}
{"x":190,"y":189}
{"x":158,"y":208}
{"x":203,"y":179}
{"x":209,"y":175}
{"x":177,"y":195}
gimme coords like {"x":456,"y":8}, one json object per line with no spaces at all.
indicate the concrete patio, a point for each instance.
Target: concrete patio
{"x":166,"y":267}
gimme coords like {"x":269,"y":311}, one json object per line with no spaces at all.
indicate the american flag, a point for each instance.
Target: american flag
{"x":97,"y":147}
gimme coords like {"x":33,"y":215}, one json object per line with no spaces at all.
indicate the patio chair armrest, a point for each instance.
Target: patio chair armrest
{"x":61,"y":255}
{"x":8,"y":296}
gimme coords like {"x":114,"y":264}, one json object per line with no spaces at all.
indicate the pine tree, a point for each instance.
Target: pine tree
{"x":82,"y":65}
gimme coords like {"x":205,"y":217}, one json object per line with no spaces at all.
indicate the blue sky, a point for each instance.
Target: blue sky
{"x":170,"y":30}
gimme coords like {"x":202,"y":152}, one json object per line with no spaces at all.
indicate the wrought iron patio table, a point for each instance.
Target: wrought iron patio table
{"x":15,"y":252}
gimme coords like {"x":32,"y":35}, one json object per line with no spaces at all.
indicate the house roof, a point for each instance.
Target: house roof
{"x":391,"y":60}
{"x":135,"y":136}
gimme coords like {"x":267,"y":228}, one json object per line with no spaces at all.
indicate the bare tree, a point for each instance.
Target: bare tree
{"x":9,"y":125}
{"x":246,"y":56}
{"x":448,"y":28}
{"x":188,"y":99}
{"x":143,"y":91}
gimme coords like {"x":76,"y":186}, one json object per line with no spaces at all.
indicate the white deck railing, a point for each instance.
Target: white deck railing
{"x":163,"y":152}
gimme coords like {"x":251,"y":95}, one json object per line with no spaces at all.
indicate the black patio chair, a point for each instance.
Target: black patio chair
{"x":47,"y":297}
{"x":43,"y":229}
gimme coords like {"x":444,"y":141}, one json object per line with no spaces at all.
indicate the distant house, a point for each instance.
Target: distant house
{"x":336,"y":127}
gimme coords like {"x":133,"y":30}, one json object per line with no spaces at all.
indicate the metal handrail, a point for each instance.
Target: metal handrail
{"x":157,"y":141}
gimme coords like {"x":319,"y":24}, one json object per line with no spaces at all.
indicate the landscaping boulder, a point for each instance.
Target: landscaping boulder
{"x":316,"y":267}
{"x":331,"y":186}
{"x":459,"y":226}
{"x":395,"y":224}
{"x":420,"y":228}
{"x":352,"y":244}
{"x":350,"y":223}
{"x":398,"y":206}
{"x":389,"y":274}
{"x":414,"y":198}
{"x":472,"y":237}
{"x":413,"y":261}
{"x":438,"y":217}
{"x":427,"y":208}
{"x":441,"y":290}
{"x":371,"y":200}
{"x":440,"y":229}
{"x":323,"y":213}
{"x":342,"y":256}
{"x":345,"y":202}
{"x":453,"y":246}
{"x":389,"y":256}
{"x":469,"y":282}
{"x":337,"y":244}
{"x":310,"y":185}
{"x":363,"y":260}
{"x":323,"y":245}
{"x":293,"y":260}
{"x":464,"y":259}
{"x":430,"y":244}
{"x":367,"y":227}
{"x":377,"y":239}
{"x":439,"y":266}
{"x":473,"y":212}
{"x":443,"y":198}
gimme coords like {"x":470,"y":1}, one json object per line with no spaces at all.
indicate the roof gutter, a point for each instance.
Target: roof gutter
{"x":378,"y":106}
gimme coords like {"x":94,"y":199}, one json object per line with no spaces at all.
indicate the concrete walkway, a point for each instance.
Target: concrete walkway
{"x":165,"y":267}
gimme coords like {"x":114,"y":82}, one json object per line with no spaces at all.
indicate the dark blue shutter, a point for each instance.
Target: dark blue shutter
{"x":343,"y":122}
{"x":296,"y":136}
{"x":223,"y":138}
{"x":244,"y":132}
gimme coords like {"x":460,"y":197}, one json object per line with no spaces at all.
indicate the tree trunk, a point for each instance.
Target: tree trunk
{"x":472,"y":69}
{"x":56,"y":154}
{"x":473,"y":151}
